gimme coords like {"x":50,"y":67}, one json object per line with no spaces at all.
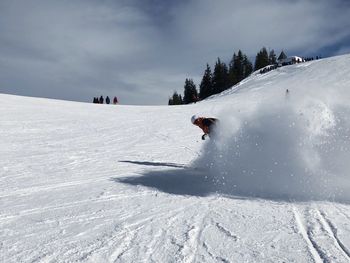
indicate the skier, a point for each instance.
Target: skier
{"x":206,"y":124}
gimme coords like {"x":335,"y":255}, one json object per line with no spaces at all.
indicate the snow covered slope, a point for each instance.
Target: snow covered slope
{"x":105,"y":183}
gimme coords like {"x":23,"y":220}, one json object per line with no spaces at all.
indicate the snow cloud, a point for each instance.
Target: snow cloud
{"x":297,"y":151}
{"x":142,"y":51}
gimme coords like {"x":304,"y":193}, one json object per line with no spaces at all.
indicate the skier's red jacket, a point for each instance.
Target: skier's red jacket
{"x":206,"y":124}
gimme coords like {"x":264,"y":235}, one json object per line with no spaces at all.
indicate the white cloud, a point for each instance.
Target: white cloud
{"x":69,"y":45}
{"x":295,"y":25}
{"x":80,"y":49}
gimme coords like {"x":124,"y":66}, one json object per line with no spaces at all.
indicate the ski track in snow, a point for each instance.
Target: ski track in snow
{"x":332,"y":231}
{"x":320,"y":234}
{"x":61,"y":199}
{"x":305,"y":232}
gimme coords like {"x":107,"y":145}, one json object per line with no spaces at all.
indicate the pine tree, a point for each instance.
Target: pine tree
{"x":206,"y":86}
{"x":240,"y":68}
{"x":262,"y":59}
{"x":220,"y":77}
{"x":181,"y":101}
{"x":190,"y":92}
{"x":247,"y":67}
{"x":176,"y":99}
{"x":236,"y":68}
{"x":232,"y":71}
{"x":272,"y":57}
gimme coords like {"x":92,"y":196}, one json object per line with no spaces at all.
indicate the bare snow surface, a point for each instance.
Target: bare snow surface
{"x":103,"y":183}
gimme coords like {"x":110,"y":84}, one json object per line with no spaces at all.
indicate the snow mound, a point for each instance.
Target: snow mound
{"x":294,"y":148}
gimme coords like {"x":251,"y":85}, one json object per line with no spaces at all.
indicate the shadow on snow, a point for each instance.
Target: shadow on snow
{"x":174,"y":165}
{"x":182,"y":180}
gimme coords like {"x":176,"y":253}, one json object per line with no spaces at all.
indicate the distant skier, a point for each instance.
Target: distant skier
{"x":287,"y":94}
{"x":206,"y":124}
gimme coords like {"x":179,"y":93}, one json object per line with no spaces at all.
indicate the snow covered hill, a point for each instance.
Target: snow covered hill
{"x":104,"y":183}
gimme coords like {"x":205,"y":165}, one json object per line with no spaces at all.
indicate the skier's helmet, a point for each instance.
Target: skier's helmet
{"x":193,"y":118}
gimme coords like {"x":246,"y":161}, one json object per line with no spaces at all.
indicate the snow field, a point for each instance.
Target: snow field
{"x":103,"y":183}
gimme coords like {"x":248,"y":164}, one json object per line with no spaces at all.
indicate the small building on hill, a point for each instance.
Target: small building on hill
{"x":283,"y":60}
{"x":289,"y":61}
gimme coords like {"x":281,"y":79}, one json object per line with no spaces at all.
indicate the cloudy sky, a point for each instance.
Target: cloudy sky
{"x":142,"y":50}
